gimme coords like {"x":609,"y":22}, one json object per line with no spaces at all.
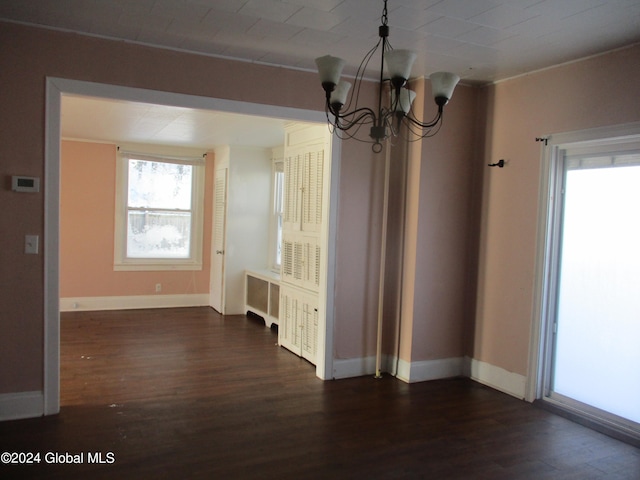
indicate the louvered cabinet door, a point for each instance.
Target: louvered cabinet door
{"x":301,"y":257}
{"x":289,"y":329}
{"x":310,"y":328}
{"x":292,"y":215}
{"x":312,"y":191}
{"x":311,"y":262}
{"x":286,"y":268}
{"x":292,"y":269}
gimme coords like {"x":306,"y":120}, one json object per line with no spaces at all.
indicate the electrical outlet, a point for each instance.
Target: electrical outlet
{"x":158,"y":287}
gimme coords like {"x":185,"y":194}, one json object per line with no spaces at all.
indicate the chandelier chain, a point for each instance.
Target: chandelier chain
{"x":384,"y":14}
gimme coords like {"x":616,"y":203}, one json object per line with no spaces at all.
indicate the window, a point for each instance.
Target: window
{"x":159,"y":213}
{"x":277,"y":213}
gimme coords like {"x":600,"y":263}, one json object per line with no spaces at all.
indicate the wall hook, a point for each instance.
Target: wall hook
{"x":499,"y":164}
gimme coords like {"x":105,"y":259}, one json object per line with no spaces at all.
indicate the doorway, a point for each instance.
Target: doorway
{"x":592,"y":279}
{"x":55,"y":89}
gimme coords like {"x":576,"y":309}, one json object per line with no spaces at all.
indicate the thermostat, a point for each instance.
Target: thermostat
{"x":25,"y":184}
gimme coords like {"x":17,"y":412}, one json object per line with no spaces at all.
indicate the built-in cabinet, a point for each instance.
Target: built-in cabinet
{"x":305,"y":155}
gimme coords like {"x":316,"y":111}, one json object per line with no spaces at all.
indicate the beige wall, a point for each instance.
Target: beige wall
{"x":596,"y":92}
{"x":87,"y":214}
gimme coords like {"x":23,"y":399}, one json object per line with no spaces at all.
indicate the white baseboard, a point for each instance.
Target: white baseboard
{"x":354,"y":367}
{"x":14,"y":406}
{"x":132,"y":302}
{"x":407,"y":372}
{"x":507,"y":382}
{"x":495,"y":377}
{"x":430,"y":369}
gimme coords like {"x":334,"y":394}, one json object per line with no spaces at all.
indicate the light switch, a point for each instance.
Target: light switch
{"x":31,"y":244}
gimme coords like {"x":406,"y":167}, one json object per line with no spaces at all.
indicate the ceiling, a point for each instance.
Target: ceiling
{"x":481,"y":40}
{"x":119,"y":121}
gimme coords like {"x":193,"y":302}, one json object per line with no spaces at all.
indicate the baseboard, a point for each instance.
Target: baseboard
{"x":133,"y":302}
{"x":14,"y":406}
{"x":403,"y":370}
{"x":495,"y":377}
{"x":354,"y":367}
{"x":498,"y":378}
{"x":425,"y":370}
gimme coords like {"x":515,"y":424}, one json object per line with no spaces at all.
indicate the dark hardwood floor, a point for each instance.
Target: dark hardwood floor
{"x":187,"y":393}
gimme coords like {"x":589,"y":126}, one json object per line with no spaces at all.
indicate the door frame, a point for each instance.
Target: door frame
{"x":55,"y":89}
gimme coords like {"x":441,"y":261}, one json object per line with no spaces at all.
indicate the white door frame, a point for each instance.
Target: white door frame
{"x":55,"y":88}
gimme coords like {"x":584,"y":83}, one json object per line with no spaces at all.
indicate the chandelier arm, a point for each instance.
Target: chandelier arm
{"x":355,"y":95}
{"x":344,"y":134}
{"x":363,"y":113}
{"x":422,"y":133}
{"x":410,"y":118}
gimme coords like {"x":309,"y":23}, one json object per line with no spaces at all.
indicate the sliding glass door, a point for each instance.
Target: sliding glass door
{"x":594,"y":320}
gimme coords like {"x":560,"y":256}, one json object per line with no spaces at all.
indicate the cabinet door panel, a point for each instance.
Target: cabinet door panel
{"x":301,"y":260}
{"x":310,"y":329}
{"x":298,"y":327}
{"x":293,"y":166}
{"x":312,"y":190}
{"x":290,"y":326}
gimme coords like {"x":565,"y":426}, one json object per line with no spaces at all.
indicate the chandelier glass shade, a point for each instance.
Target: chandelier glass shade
{"x":395,"y":100}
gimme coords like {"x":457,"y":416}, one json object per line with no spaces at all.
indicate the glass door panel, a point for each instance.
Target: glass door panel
{"x":597,"y":343}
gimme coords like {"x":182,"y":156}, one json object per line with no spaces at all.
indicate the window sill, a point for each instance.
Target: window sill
{"x":155,"y":266}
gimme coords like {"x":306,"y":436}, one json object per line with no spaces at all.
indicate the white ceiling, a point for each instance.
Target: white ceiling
{"x":480,"y":40}
{"x":116,"y":121}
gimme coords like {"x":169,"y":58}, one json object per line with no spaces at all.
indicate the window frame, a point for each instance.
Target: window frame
{"x":277,"y":215}
{"x":194,"y":260}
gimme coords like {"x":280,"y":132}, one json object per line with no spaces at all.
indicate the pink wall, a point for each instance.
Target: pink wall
{"x":427,"y":255}
{"x":29,"y":55}
{"x":596,"y":92}
{"x":502,"y":204}
{"x":87,"y":212}
{"x":448,"y":162}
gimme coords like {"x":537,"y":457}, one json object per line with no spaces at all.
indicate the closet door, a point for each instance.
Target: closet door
{"x":216,"y":293}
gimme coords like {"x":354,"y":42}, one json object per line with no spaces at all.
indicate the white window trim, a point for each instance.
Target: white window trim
{"x":277,"y":165}
{"x":167,"y":154}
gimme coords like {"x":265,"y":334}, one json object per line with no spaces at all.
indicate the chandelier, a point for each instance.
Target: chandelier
{"x":394,"y":98}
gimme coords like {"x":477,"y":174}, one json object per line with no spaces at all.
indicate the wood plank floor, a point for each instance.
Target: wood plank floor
{"x":187,"y":393}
